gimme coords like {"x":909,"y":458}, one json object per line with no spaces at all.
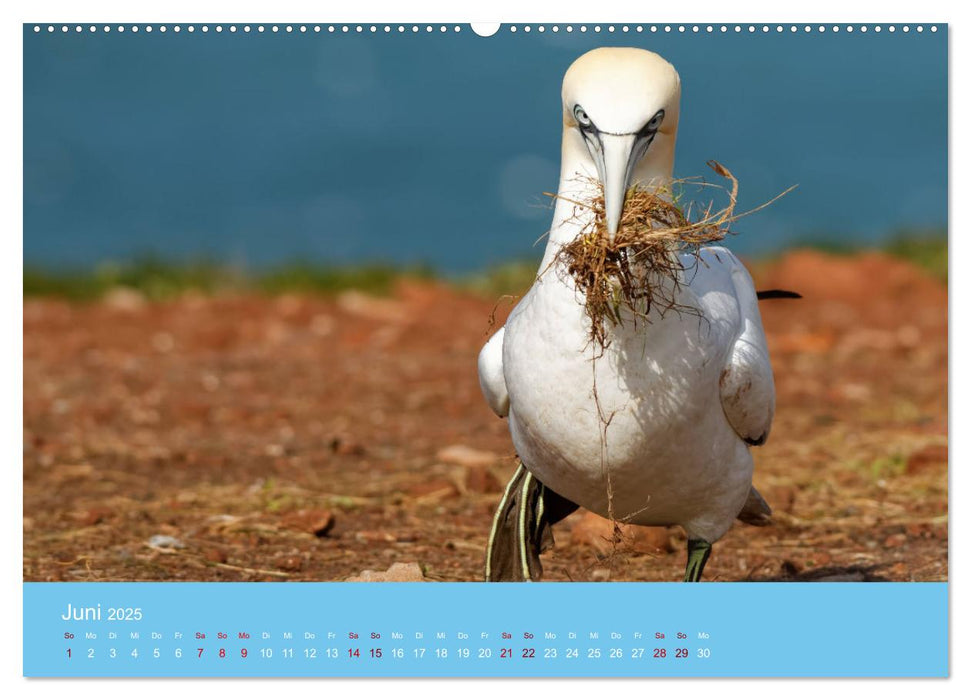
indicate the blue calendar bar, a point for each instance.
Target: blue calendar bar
{"x":468,"y":629}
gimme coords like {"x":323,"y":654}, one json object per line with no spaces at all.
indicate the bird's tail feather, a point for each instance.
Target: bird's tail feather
{"x":777,"y":294}
{"x":755,"y":511}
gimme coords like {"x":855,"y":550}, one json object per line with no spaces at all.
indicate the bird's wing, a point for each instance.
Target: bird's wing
{"x":747,"y":387}
{"x":491,"y":379}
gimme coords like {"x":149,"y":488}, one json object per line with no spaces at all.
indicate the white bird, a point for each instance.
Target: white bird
{"x":656,"y":428}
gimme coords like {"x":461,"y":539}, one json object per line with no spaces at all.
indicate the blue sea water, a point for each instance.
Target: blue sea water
{"x":259,"y":148}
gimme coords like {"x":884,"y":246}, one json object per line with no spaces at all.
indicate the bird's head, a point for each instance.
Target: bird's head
{"x":620,"y":119}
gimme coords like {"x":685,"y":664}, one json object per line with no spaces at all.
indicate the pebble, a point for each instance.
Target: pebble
{"x":374,"y":536}
{"x":65,"y":472}
{"x":316,"y":522}
{"x":124,"y":299}
{"x":94,"y":516}
{"x":274,"y":450}
{"x":322,"y":325}
{"x":359,"y":304}
{"x":289,"y":562}
{"x":401,"y":572}
{"x":216,"y":555}
{"x":163,"y":342}
{"x":896,"y":540}
{"x":600,"y":575}
{"x":433,"y":490}
{"x":210,"y":381}
{"x":464,"y":456}
{"x":346,"y":447}
{"x":165,"y":542}
{"x":223,"y":518}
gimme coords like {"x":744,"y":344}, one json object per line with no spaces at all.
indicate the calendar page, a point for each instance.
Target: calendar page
{"x":512,"y":350}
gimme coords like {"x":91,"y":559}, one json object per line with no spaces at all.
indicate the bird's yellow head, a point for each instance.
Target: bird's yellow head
{"x":620,"y":116}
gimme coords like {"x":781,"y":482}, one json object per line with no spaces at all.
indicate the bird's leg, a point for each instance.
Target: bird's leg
{"x":522,"y":528}
{"x":698,"y":553}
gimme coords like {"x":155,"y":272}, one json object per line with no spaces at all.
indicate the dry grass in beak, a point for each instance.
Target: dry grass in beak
{"x":641,"y":269}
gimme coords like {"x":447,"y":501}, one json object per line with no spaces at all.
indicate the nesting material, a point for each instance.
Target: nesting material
{"x":641,"y":269}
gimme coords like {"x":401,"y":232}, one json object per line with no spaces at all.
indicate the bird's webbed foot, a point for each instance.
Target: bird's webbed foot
{"x":698,"y":553}
{"x":523,"y":528}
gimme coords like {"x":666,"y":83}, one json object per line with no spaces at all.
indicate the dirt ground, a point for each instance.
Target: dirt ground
{"x":309,"y":439}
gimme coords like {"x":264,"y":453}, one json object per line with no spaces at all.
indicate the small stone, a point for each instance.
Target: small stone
{"x":289,"y":304}
{"x":359,"y":304}
{"x":322,"y":325}
{"x":464,"y":456}
{"x":274,"y":450}
{"x":856,"y":392}
{"x":434,"y":490}
{"x":919,"y":530}
{"x":895,"y":540}
{"x":210,"y":381}
{"x":94,"y":516}
{"x":600,"y":575}
{"x":66,"y":472}
{"x":346,"y":447}
{"x":399,"y":573}
{"x":165,"y":542}
{"x":316,"y":522}
{"x":323,"y":524}
{"x":821,"y":558}
{"x":289,"y":562}
{"x":216,"y":555}
{"x":163,"y":342}
{"x":124,"y":299}
{"x":900,"y":571}
{"x":908,"y":336}
{"x":374,"y":536}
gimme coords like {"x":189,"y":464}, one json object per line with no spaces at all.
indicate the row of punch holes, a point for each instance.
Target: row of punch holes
{"x":414,"y":28}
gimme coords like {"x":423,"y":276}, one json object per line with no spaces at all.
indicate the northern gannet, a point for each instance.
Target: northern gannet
{"x":656,"y":428}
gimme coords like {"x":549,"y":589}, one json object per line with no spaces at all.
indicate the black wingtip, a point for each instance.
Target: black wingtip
{"x":757,"y":442}
{"x":778,"y":294}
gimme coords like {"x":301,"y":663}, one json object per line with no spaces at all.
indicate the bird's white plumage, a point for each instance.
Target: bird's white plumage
{"x":652,"y":431}
{"x":490,"y":375}
{"x":747,"y":386}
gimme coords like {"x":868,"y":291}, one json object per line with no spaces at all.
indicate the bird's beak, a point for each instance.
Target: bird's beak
{"x":615,"y":168}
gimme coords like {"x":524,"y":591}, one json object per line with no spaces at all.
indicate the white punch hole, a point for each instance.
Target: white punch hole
{"x":485,"y":28}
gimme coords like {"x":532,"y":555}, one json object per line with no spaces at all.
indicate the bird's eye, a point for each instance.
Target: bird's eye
{"x":581,"y":117}
{"x":655,"y":121}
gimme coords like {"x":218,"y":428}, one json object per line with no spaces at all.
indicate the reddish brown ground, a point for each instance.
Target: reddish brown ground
{"x":238,"y":427}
